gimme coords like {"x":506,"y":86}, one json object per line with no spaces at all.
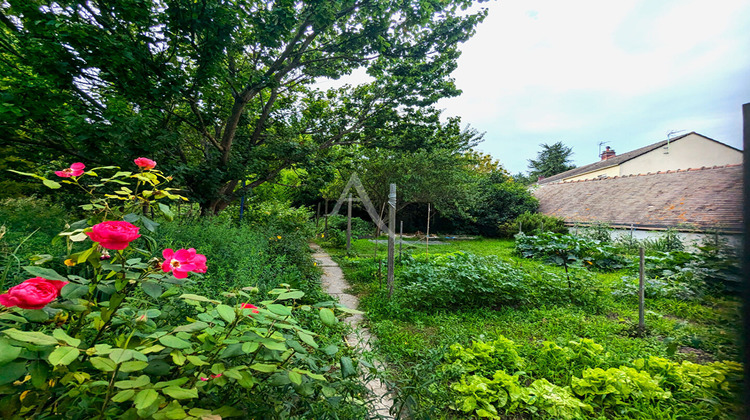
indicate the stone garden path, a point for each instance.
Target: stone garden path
{"x":334,"y":284}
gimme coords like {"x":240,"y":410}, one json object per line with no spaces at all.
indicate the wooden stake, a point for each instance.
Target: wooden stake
{"x":427,"y":243}
{"x":401,"y":241}
{"x":641,"y":293}
{"x":349,"y":224}
{"x":391,"y":237}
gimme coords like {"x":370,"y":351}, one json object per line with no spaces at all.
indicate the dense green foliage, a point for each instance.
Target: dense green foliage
{"x":568,"y":250}
{"x":443,"y":333}
{"x":127,"y":340}
{"x":532,"y":224}
{"x":551,"y":160}
{"x":220,"y":92}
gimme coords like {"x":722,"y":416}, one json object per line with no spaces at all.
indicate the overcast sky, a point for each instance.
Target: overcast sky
{"x":625,"y":72}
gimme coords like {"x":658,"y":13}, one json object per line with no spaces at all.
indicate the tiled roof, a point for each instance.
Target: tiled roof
{"x":617,"y":160}
{"x":704,"y":198}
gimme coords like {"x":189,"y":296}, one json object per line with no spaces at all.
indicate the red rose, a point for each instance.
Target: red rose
{"x":183,"y":261}
{"x":145,"y":163}
{"x":34,"y":293}
{"x":114,"y":234}
{"x":75,"y":169}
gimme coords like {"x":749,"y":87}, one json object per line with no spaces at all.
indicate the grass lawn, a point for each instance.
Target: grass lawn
{"x":410,"y":338}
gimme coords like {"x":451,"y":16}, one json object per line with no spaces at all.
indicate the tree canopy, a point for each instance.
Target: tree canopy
{"x":220,"y":91}
{"x":551,"y":160}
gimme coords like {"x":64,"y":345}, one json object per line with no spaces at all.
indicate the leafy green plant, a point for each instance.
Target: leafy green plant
{"x":565,"y":250}
{"x":460,"y":280}
{"x":485,"y":356}
{"x":533,"y":223}
{"x":121,"y":336}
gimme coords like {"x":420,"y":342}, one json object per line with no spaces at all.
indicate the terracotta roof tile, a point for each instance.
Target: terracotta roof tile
{"x":705,"y":198}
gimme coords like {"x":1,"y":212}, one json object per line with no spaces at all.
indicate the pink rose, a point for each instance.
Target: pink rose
{"x":34,"y":293}
{"x":183,"y":261}
{"x":75,"y":169}
{"x":250,"y":306}
{"x":114,"y":234}
{"x":145,"y":163}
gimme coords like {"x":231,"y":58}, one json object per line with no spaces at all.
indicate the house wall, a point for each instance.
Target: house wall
{"x":611,"y":171}
{"x":692,"y":151}
{"x":691,"y":240}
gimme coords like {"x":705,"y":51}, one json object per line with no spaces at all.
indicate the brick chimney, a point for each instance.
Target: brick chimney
{"x":608,"y":153}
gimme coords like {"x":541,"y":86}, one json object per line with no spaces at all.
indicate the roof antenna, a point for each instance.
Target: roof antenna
{"x":669,"y":139}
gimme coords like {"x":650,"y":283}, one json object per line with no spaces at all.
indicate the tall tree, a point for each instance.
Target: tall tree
{"x":217,"y":90}
{"x":551,"y":160}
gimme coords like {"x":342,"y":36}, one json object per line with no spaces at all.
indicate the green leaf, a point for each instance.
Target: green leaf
{"x":32,"y":337}
{"x":145,"y":398}
{"x":166,"y":211}
{"x":174,"y":342}
{"x":174,"y":382}
{"x":347,"y":367}
{"x":61,"y":335}
{"x":280,"y":309}
{"x":12,"y":371}
{"x":295,"y":377}
{"x":45,"y":273}
{"x":263,"y":367}
{"x":271,"y":344}
{"x":63,"y":356}
{"x":138,"y":382}
{"x":134,"y":366}
{"x":73,"y":291}
{"x":250,"y":347}
{"x":327,"y":316}
{"x":149,"y":224}
{"x":103,"y":363}
{"x":35,"y":315}
{"x":193,"y":327}
{"x":51,"y":184}
{"x":180,"y":393}
{"x":195,"y":360}
{"x":343,"y":308}
{"x":152,"y":289}
{"x":226,"y":313}
{"x":8,"y":353}
{"x":123,"y":396}
{"x":307,"y":339}
{"x":197,"y":298}
{"x":120,"y":355}
{"x":291,"y":295}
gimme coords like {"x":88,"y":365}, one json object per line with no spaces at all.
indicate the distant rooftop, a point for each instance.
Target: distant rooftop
{"x":618,"y":159}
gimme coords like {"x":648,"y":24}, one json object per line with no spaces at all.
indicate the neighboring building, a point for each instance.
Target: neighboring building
{"x":691,"y":183}
{"x":691,"y":150}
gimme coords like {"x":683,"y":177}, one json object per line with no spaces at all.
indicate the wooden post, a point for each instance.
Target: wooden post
{"x":641,"y":293}
{"x":325,"y":228}
{"x":349,"y":224}
{"x":427,"y":243}
{"x":317,"y":216}
{"x":391,"y":237}
{"x":400,"y":241}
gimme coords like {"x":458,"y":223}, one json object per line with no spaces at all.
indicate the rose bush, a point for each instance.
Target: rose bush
{"x":34,"y":293}
{"x":125,"y":338}
{"x":114,"y":234}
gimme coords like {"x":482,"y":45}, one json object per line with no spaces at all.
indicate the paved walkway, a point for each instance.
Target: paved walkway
{"x":334,"y":284}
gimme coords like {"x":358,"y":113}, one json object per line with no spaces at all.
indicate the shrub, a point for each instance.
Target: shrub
{"x":533,"y":223}
{"x":122,"y":335}
{"x":565,"y":250}
{"x":460,"y":280}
